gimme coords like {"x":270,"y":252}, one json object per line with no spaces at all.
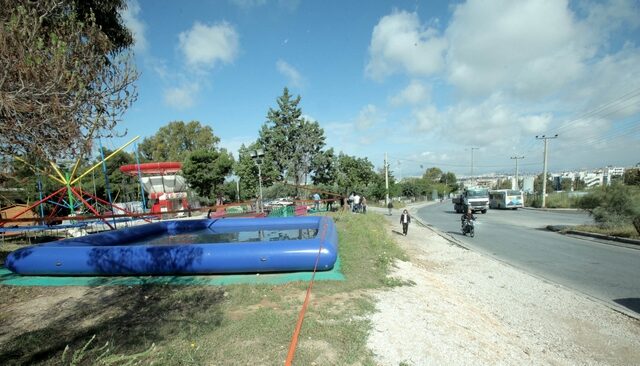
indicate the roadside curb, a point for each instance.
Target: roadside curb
{"x":563,"y":210}
{"x":453,"y":241}
{"x":630,"y":243}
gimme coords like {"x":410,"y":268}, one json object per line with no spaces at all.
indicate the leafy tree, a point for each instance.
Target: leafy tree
{"x":631,"y":177}
{"x":205,"y":171}
{"x":566,"y":184}
{"x":450,"y":180}
{"x":66,"y":76}
{"x":123,"y":187}
{"x":247,"y":171}
{"x":503,"y":184}
{"x":410,"y":187}
{"x":353,"y":174}
{"x":432,"y":174}
{"x":324,"y":166}
{"x":537,"y":184}
{"x":229,"y":190}
{"x":106,"y":14}
{"x":579,"y":184}
{"x":309,"y":141}
{"x":290,"y":142}
{"x":376,"y":189}
{"x":279,"y":189}
{"x":18,"y":182}
{"x":176,"y":140}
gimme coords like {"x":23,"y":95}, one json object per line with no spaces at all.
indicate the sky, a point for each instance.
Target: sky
{"x":464,"y":85}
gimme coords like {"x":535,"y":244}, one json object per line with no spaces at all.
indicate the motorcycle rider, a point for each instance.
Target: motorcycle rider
{"x":468,"y":215}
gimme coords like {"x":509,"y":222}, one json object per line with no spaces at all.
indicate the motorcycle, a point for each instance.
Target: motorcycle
{"x":468,"y":228}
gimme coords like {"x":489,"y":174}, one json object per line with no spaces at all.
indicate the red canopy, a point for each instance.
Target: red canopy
{"x":170,"y":167}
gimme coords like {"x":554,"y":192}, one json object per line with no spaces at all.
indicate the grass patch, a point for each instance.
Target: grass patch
{"x":553,"y":200}
{"x":196,"y":325}
{"x":620,"y":230}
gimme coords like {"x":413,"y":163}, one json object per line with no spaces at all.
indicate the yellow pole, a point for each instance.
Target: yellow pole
{"x":39,"y":170}
{"x":55,"y":167}
{"x":75,"y":167}
{"x":105,"y":159}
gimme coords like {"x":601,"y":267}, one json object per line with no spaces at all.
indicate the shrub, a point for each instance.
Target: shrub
{"x":613,"y":205}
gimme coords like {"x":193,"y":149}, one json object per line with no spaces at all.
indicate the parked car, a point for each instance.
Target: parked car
{"x":280,"y":202}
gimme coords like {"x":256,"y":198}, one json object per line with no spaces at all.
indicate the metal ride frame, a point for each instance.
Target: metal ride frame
{"x":77,"y":194}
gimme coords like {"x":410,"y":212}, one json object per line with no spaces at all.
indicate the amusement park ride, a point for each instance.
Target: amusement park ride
{"x":74,"y":198}
{"x":164,"y":185}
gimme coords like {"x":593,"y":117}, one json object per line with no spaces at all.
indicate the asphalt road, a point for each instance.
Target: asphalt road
{"x":518,"y":237}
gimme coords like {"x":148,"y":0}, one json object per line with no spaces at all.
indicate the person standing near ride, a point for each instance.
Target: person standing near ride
{"x":356,"y":203}
{"x":390,"y":207}
{"x":405,"y":220}
{"x":316,"y":199}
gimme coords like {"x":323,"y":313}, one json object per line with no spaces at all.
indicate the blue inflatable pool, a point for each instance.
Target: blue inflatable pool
{"x":184,"y":247}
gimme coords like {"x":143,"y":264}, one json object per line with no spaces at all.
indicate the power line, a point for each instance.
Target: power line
{"x":628,"y":97}
{"x":628,"y":130}
{"x":422,"y":162}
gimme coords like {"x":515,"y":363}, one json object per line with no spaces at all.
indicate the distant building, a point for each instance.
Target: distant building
{"x":611,"y":172}
{"x":592,"y":179}
{"x":527,"y":183}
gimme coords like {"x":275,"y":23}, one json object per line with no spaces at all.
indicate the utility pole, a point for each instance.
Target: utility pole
{"x":473,"y":148}
{"x":544,"y":169}
{"x":516,"y":159}
{"x":238,"y":189}
{"x":257,"y":156}
{"x":386,"y":180}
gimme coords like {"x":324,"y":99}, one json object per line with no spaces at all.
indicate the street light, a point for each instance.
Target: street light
{"x":257,"y":156}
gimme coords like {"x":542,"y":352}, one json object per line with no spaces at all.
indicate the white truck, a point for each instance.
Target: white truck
{"x":476,"y":198}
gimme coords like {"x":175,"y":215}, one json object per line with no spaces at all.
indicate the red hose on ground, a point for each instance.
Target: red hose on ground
{"x":296,"y":332}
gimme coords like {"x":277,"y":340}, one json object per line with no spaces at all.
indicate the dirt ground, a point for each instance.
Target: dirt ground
{"x":469,"y":309}
{"x":462,"y":309}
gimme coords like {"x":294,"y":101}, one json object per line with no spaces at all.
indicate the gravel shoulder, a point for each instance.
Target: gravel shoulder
{"x":468,"y":309}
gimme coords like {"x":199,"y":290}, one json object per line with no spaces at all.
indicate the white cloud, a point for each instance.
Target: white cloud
{"x":611,"y":81}
{"x":130,"y":17}
{"x":368,"y":117}
{"x":182,"y":97}
{"x":527,"y":47}
{"x":603,"y":19}
{"x":491,"y":123}
{"x":205,"y":45}
{"x":511,"y":70}
{"x":427,"y":118}
{"x":293,"y":76}
{"x":414,"y":93}
{"x":532,"y":125}
{"x":399,"y":43}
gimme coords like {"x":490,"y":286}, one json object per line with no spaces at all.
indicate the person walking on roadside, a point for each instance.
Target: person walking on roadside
{"x":405,"y":219}
{"x":390,"y":206}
